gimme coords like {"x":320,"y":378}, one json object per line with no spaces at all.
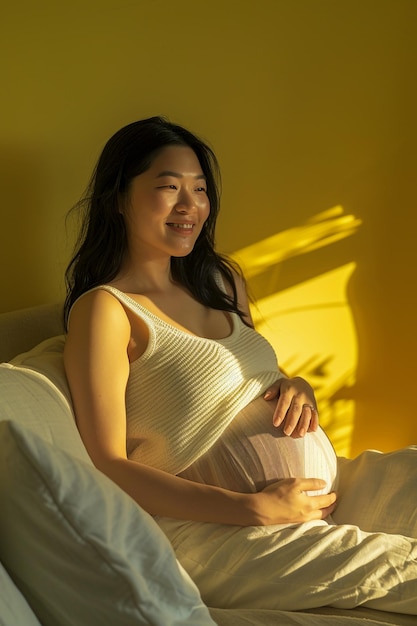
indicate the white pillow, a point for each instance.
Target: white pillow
{"x":14,"y":610}
{"x":47,"y":359}
{"x":80,"y":549}
{"x":34,"y":392}
{"x":377,"y":492}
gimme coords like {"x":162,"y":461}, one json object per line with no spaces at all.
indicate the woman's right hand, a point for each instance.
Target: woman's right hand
{"x":286,"y":502}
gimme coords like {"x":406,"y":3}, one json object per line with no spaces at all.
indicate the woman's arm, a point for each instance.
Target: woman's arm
{"x":97,"y":368}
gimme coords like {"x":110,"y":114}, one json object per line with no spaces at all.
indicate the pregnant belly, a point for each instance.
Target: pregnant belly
{"x":252,"y":453}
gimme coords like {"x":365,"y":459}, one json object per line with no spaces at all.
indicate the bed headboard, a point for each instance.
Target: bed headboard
{"x":23,"y":329}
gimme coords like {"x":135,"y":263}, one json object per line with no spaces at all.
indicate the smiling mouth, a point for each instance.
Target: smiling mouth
{"x":183,"y":227}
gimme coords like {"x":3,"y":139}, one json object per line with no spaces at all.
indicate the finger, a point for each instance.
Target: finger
{"x":307,"y":422}
{"x":271,"y":392}
{"x":321,"y":506}
{"x":328,"y":510}
{"x":326,"y":500}
{"x":311,"y":484}
{"x":323,"y":513}
{"x":304,"y":422}
{"x":293,"y":415}
{"x":281,"y":409}
{"x":314,"y":424}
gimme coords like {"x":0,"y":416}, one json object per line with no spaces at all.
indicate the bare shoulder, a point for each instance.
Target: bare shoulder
{"x":97,"y":303}
{"x":98,"y":311}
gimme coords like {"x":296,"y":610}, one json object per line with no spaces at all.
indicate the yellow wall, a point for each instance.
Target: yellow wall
{"x":309,"y":106}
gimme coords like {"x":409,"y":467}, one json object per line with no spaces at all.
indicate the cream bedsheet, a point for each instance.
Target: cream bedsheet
{"x":377,"y":492}
{"x":324,"y":617}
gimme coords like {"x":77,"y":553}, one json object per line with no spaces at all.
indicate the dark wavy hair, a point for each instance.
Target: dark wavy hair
{"x":102,"y":240}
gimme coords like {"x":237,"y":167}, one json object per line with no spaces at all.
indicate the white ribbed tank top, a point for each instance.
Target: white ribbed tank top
{"x":194,"y":407}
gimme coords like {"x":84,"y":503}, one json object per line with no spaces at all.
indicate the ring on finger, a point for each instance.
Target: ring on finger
{"x":310,"y":406}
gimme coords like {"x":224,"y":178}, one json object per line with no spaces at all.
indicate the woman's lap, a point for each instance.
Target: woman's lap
{"x":317,"y":564}
{"x":306,"y":566}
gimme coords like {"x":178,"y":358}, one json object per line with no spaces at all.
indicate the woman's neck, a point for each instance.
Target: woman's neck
{"x":144,"y":277}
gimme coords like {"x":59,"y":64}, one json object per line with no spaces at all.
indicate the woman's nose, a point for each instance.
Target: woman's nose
{"x":185,"y":202}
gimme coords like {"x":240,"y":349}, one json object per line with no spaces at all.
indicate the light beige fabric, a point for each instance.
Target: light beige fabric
{"x":34,"y":393}
{"x":252,"y":453}
{"x":318,"y":563}
{"x":196,"y":403}
{"x":184,"y":390}
{"x":14,"y":609}
{"x":379,"y":491}
{"x":96,"y":558}
{"x":318,"y":617}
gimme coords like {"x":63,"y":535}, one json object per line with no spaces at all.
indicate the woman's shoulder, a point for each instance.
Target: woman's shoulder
{"x":98,"y":305}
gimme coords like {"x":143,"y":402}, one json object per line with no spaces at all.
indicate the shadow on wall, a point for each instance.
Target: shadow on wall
{"x":309,"y":322}
{"x":24,"y":229}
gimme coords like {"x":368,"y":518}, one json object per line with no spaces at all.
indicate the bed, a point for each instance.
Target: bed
{"x":74,"y":549}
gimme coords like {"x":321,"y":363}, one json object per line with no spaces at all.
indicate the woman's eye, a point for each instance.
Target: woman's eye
{"x":201,"y":189}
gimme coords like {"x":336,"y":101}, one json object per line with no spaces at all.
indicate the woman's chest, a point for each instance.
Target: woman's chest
{"x":182,"y":311}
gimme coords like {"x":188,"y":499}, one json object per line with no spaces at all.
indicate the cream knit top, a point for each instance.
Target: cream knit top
{"x":184,"y":391}
{"x":194,"y":408}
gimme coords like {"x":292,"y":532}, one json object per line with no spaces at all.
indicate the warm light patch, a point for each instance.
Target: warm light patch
{"x":313,"y":333}
{"x":321,"y":230}
{"x":310,"y":324}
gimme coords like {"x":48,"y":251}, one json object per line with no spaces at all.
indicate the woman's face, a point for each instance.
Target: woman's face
{"x":167,"y":205}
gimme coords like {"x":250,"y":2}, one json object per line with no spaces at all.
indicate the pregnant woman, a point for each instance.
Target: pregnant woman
{"x":181,"y":402}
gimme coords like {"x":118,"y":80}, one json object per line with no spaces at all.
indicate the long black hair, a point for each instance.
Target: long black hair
{"x":102,"y":240}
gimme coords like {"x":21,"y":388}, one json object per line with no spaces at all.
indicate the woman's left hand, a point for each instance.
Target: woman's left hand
{"x":296,"y":406}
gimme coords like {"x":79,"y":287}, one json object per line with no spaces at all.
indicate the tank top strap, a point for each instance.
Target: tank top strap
{"x":127,"y":301}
